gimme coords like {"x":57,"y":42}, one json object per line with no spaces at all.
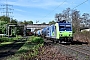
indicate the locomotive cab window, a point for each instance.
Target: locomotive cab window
{"x":55,"y":27}
{"x":61,"y":27}
{"x":52,"y":28}
{"x":68,"y":28}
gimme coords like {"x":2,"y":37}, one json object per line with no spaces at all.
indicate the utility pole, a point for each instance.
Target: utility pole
{"x":6,"y":9}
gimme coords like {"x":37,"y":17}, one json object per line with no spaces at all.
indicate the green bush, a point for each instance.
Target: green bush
{"x":37,"y":40}
{"x":6,"y":39}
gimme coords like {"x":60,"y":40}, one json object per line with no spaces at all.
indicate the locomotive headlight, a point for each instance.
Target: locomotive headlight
{"x":60,"y":34}
{"x":70,"y":34}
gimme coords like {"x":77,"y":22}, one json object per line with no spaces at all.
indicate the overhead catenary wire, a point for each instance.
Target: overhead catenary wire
{"x":55,"y":8}
{"x":62,"y":4}
{"x":80,"y":4}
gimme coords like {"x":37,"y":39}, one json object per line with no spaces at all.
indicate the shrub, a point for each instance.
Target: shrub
{"x":6,"y":39}
{"x":37,"y":40}
{"x":82,"y":36}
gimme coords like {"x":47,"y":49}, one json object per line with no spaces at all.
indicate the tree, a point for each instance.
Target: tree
{"x":4,"y":18}
{"x":52,"y":22}
{"x":65,"y":15}
{"x":43,"y":23}
{"x":29,"y":22}
{"x":3,"y":21}
{"x":25,"y":22}
{"x":58,"y":17}
{"x":20,"y":22}
{"x":85,"y":20}
{"x":20,"y":30}
{"x":13,"y":21}
{"x":2,"y":26}
{"x":76,"y":19}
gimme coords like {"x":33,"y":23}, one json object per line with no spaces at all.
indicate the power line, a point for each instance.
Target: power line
{"x":7,"y":9}
{"x":55,"y":8}
{"x":63,"y":3}
{"x":80,"y":4}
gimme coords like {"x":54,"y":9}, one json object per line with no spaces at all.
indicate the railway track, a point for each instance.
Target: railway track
{"x":10,"y":49}
{"x":76,"y":51}
{"x":79,"y":52}
{"x":84,"y":48}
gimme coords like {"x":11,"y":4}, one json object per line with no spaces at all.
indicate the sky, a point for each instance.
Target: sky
{"x":42,"y":10}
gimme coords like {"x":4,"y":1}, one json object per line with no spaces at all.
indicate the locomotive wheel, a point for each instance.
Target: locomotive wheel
{"x":54,"y":41}
{"x":59,"y":41}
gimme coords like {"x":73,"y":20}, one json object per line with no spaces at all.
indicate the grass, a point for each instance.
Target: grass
{"x":5,"y":43}
{"x":9,"y":39}
{"x":29,"y":50}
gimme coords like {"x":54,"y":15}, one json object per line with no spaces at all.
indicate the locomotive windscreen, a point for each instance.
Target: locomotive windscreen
{"x":68,"y":28}
{"x":63,"y":27}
